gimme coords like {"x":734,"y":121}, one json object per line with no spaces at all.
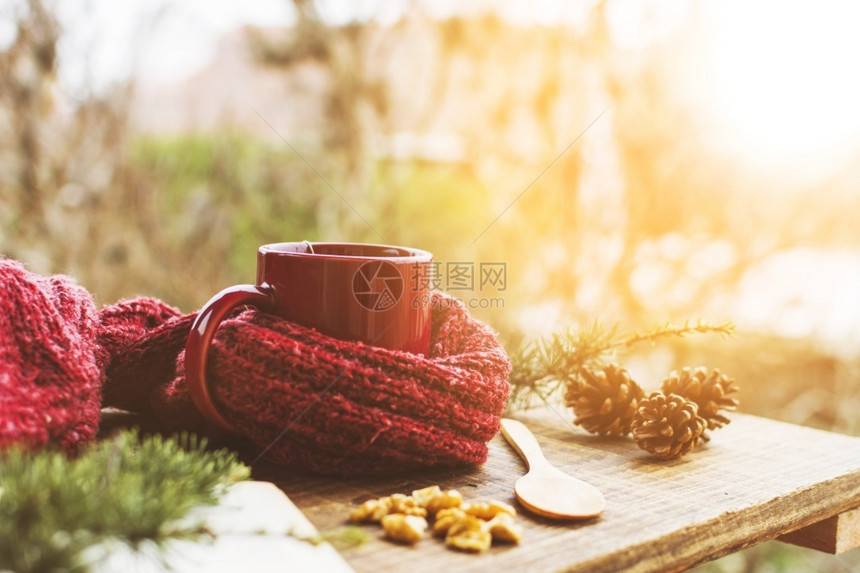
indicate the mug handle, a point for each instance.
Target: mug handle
{"x":200,"y":337}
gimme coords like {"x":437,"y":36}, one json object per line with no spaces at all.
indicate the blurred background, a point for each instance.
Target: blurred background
{"x":632,"y":162}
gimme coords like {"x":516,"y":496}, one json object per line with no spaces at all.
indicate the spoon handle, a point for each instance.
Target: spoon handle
{"x":524,"y":442}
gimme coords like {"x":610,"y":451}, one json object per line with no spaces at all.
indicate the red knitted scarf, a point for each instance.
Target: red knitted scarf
{"x":302,"y":398}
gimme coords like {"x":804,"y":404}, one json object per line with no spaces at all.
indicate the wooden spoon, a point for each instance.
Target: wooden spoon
{"x":546,"y":490}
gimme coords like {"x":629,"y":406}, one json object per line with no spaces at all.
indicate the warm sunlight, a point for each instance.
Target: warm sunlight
{"x":785,"y":81}
{"x":623,"y":224}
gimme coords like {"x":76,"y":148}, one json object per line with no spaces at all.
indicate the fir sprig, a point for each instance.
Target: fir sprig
{"x":52,"y":508}
{"x":542,"y":367}
{"x":725,"y":330}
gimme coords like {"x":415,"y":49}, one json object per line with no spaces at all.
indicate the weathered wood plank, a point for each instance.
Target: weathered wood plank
{"x":836,"y":534}
{"x":756,"y":480}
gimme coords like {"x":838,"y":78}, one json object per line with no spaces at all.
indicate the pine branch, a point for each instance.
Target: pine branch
{"x":53,"y":508}
{"x":543,"y":367}
{"x":725,"y":330}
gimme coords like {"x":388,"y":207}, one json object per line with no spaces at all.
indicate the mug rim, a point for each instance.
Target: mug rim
{"x":413,"y":255}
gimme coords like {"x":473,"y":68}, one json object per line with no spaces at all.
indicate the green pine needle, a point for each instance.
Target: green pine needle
{"x":344,"y":537}
{"x":53,"y":507}
{"x":724,"y":330}
{"x":544,"y":366}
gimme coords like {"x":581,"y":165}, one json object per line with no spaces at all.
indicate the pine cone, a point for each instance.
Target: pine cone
{"x":604,"y":402}
{"x":668,"y":426}
{"x":710,"y":393}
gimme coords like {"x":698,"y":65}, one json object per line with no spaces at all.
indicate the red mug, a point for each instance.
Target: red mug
{"x":377,"y":294}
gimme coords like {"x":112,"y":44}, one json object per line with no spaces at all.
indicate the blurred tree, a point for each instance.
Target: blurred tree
{"x":27,"y":71}
{"x":355,"y":103}
{"x":73,"y":200}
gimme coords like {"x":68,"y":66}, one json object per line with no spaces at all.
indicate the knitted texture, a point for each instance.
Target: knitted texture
{"x":50,"y":365}
{"x":301,"y":398}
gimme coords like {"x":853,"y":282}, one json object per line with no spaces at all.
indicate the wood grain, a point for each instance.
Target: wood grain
{"x":754,"y":481}
{"x":836,"y":534}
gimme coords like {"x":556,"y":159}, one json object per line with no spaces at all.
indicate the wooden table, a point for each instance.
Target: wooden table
{"x":755,"y":481}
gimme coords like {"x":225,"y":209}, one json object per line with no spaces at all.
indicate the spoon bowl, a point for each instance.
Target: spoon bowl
{"x":546,"y":490}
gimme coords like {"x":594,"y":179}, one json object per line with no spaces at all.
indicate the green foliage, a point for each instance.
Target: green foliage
{"x":220,"y":197}
{"x":342,"y":538}
{"x":543,"y":366}
{"x":430,"y":206}
{"x":52,"y":507}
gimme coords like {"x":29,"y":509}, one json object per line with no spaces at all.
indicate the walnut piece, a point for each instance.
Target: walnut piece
{"x":469,"y":527}
{"x":503,"y":528}
{"x":371,"y":510}
{"x":445,"y":519}
{"x":475,"y":541}
{"x":406,"y":504}
{"x":434,"y":499}
{"x":466,"y":523}
{"x":445,"y":500}
{"x":404,"y":528}
{"x":423,"y":496}
{"x":469,"y":533}
{"x":488,"y":509}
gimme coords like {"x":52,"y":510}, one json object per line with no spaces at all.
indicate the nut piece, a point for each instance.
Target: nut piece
{"x":445,"y":500}
{"x":469,"y":534}
{"x":404,"y":528}
{"x":371,"y":510}
{"x":423,"y":496}
{"x":466,"y":523}
{"x":434,"y":499}
{"x":471,"y":527}
{"x":445,"y":519}
{"x":503,"y":528}
{"x":488,"y":509}
{"x":406,"y":504}
{"x":475,"y":541}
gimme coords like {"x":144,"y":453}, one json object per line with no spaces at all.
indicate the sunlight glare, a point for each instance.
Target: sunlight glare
{"x":786,"y":87}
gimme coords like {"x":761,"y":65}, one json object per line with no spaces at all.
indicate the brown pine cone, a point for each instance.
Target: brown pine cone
{"x":668,"y":426}
{"x":710,"y":393}
{"x":604,"y":402}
